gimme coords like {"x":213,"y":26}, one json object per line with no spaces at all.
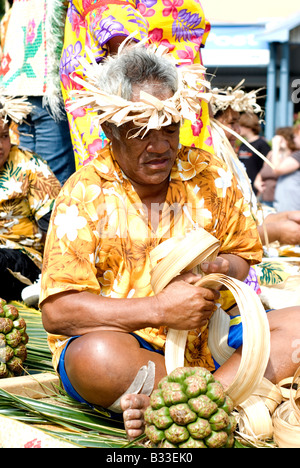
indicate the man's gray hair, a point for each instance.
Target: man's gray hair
{"x":133,"y":66}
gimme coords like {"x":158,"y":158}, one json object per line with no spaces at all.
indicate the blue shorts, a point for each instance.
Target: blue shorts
{"x":235,"y":340}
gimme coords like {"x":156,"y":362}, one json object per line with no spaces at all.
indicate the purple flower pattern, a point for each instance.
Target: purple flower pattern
{"x":186,"y":26}
{"x":106,"y":29}
{"x":69,"y":61}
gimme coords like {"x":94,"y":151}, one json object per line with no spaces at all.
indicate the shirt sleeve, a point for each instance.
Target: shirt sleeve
{"x":71,"y":244}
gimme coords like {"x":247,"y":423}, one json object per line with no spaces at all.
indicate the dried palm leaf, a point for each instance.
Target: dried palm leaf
{"x":236,"y":98}
{"x":16,"y":108}
{"x":256,"y":336}
{"x":149,"y":113}
{"x":254,"y":419}
{"x":179,"y":255}
{"x":218,"y":336}
{"x":286,"y":419}
{"x":256,"y":332}
{"x":270,"y":394}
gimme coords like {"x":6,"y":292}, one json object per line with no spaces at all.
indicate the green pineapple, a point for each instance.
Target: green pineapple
{"x":13,"y":340}
{"x":190,"y":409}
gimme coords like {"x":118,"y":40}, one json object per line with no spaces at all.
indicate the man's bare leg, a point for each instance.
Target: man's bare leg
{"x":102,"y":365}
{"x":285,"y":332}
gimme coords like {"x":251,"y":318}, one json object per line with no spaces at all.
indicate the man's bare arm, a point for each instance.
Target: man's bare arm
{"x":181,"y":305}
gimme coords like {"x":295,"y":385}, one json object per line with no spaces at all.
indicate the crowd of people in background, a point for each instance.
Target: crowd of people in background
{"x":277,"y":187}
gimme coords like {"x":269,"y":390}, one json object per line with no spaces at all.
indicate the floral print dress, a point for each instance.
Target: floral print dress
{"x":178,"y":24}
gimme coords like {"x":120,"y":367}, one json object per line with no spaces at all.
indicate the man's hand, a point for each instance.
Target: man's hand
{"x":283,"y":227}
{"x":227,"y":264}
{"x":185,"y":306}
{"x":289,"y":233}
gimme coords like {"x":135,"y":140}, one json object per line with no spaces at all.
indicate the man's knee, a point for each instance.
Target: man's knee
{"x":102,"y":366}
{"x":95,"y":349}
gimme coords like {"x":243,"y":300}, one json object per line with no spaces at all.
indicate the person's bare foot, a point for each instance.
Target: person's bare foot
{"x":133,"y":407}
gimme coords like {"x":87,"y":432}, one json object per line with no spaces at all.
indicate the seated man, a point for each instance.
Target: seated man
{"x":106,"y":326}
{"x":28,"y":190}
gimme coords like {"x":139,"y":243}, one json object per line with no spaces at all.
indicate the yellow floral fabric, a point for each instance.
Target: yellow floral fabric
{"x":28,"y":190}
{"x":100,"y":237}
{"x":179,"y":25}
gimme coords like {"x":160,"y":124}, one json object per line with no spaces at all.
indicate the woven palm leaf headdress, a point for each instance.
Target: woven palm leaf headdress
{"x":236,"y":98}
{"x":148,"y":113}
{"x":239,"y":101}
{"x":15,"y":108}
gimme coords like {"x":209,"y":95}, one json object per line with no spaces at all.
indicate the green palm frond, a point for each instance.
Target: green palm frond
{"x":69,"y":420}
{"x":60,"y":415}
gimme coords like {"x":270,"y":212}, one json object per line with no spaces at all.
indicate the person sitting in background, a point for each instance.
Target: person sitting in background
{"x":250,"y":129}
{"x":28,"y":189}
{"x":227,"y":106}
{"x":265,"y":182}
{"x":287,"y":191}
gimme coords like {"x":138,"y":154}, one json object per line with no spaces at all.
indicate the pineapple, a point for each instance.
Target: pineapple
{"x":190,"y":410}
{"x":13,"y":340}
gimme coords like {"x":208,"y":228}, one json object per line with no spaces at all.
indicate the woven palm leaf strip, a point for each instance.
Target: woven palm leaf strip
{"x":256,"y":333}
{"x":286,"y":418}
{"x":255,"y":414}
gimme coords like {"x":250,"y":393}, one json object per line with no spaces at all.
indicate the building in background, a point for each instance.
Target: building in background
{"x":260,"y":43}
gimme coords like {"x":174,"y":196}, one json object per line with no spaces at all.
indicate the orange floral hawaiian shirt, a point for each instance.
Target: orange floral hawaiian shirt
{"x":100,"y":238}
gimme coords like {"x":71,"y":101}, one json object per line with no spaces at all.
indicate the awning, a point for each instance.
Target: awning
{"x":236,"y":46}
